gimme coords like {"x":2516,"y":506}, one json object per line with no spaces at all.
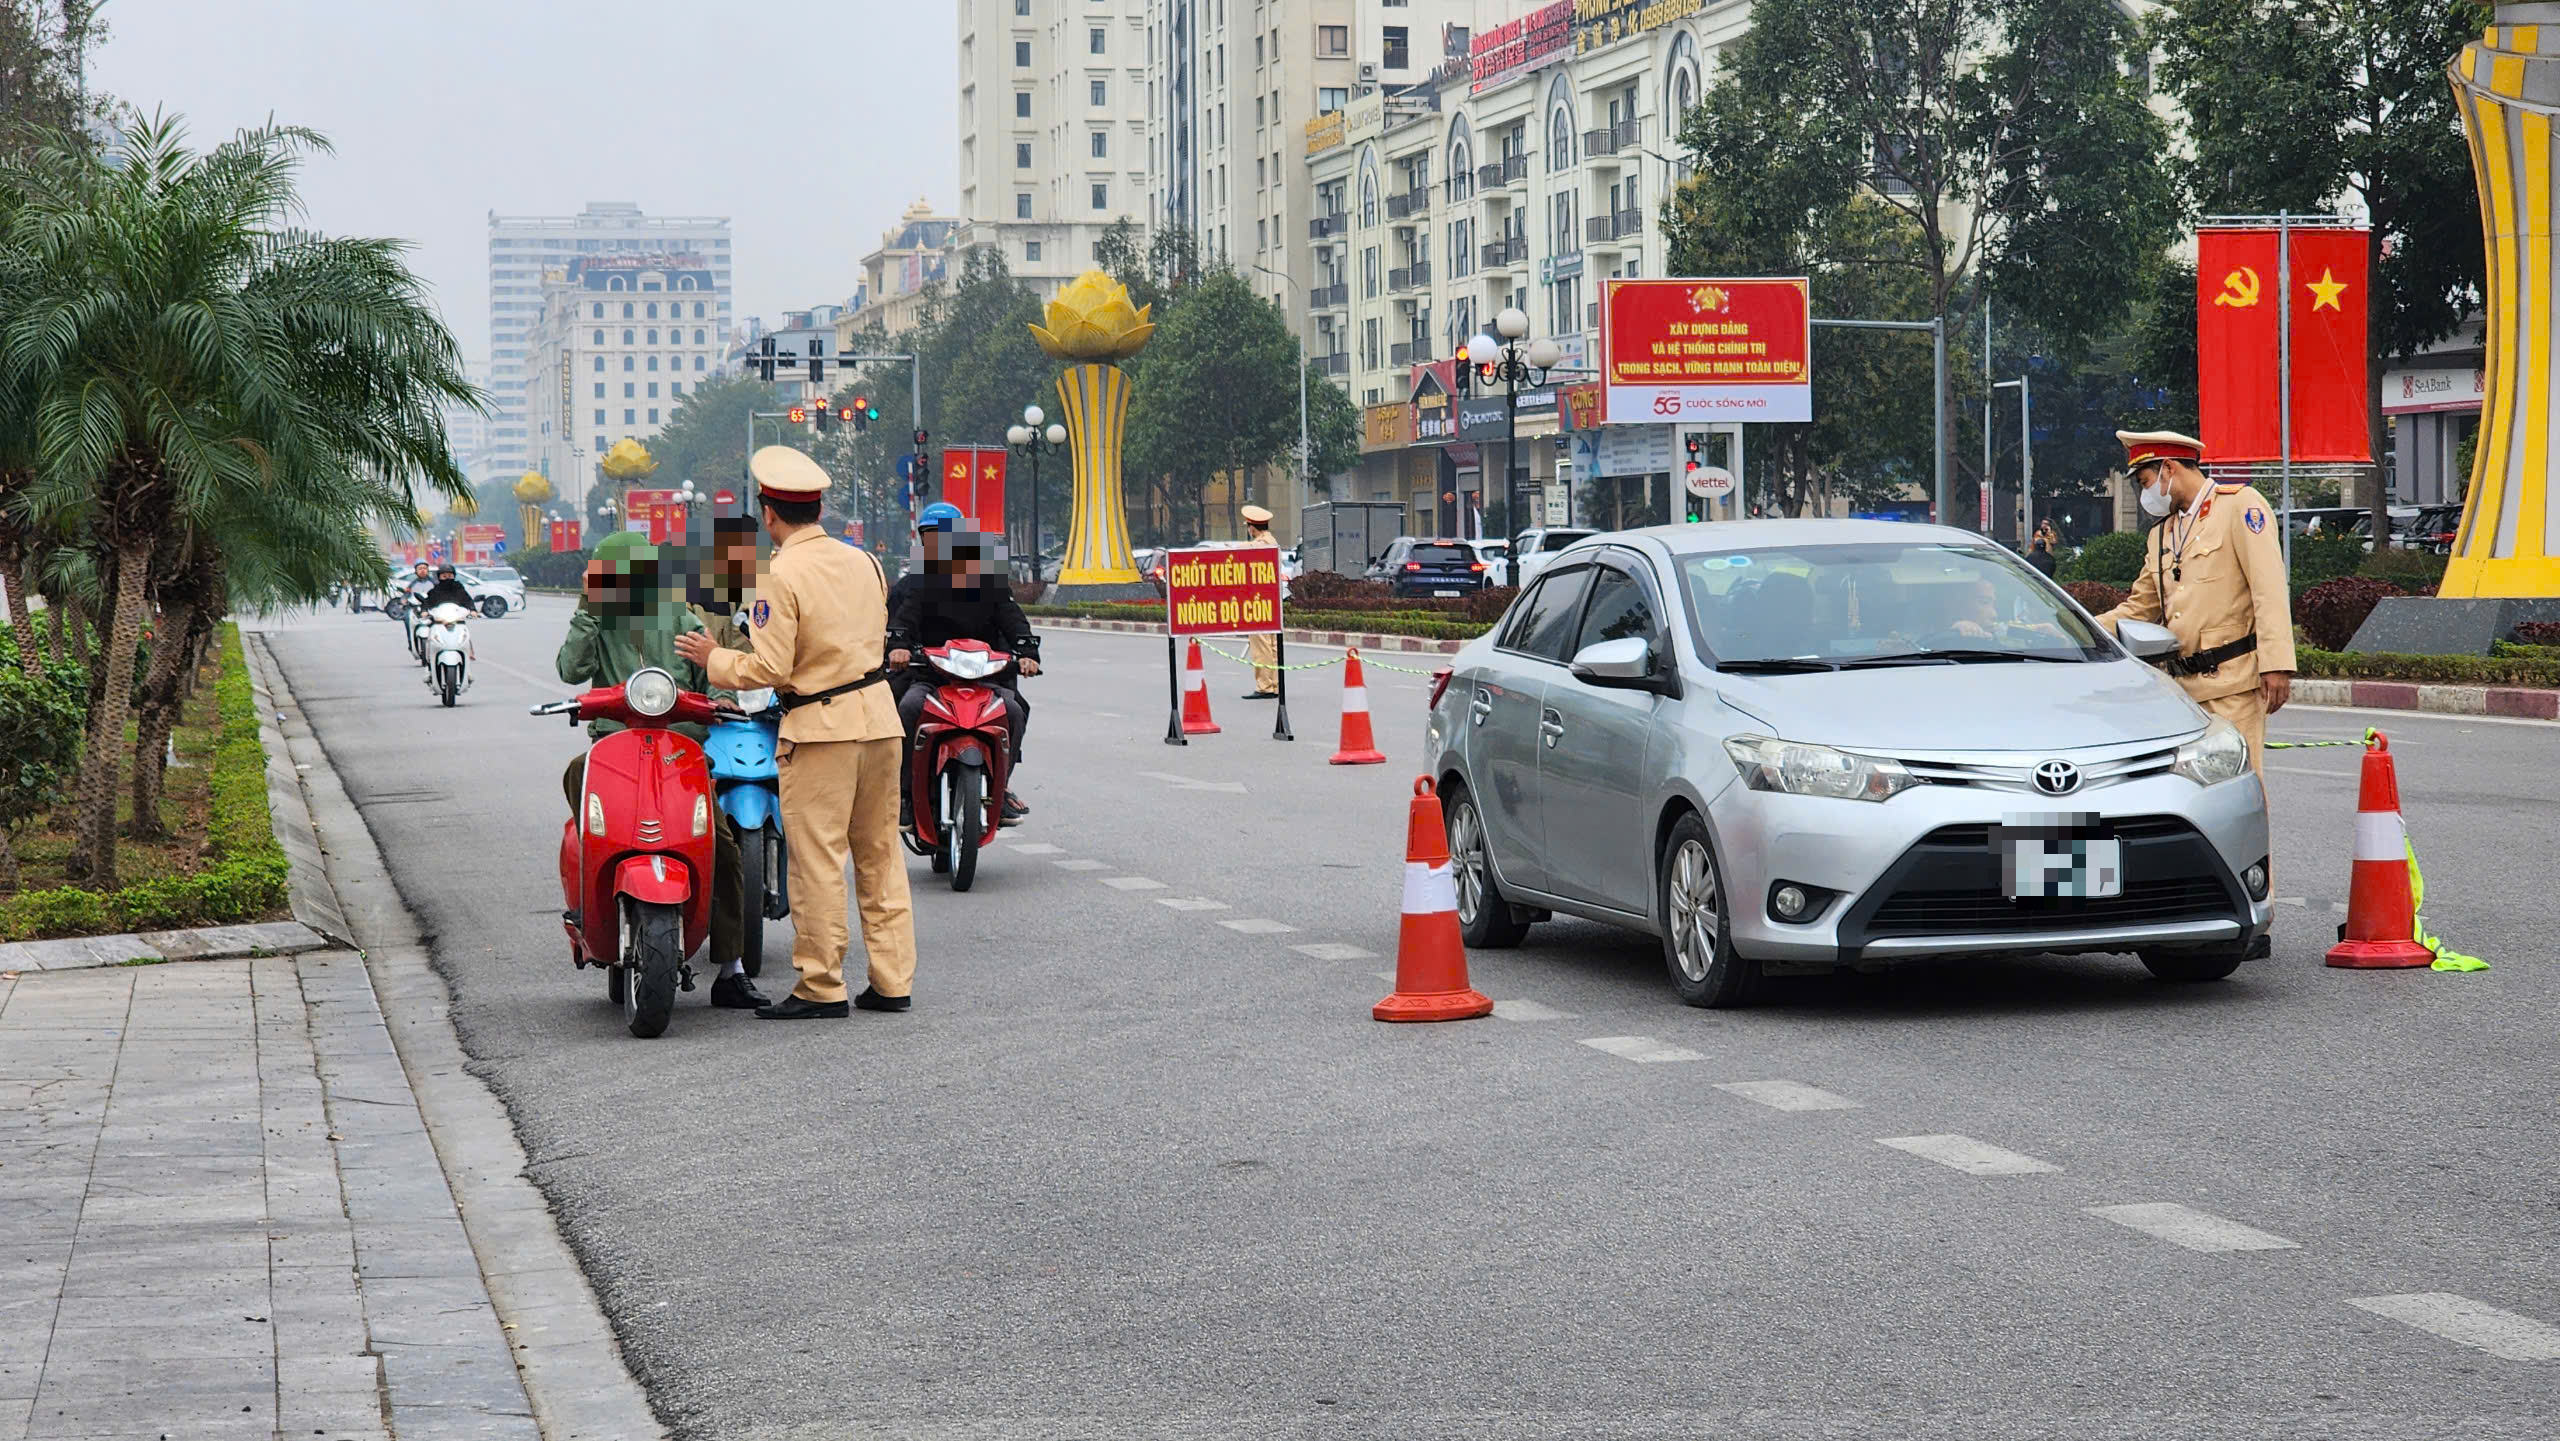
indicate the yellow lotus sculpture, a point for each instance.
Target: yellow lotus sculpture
{"x":1092,"y":320}
{"x":533,"y":488}
{"x":628,"y":460}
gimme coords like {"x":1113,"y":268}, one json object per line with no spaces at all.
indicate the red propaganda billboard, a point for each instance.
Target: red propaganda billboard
{"x":1697,"y":350}
{"x":564,"y":535}
{"x":1515,"y":47}
{"x":1222,"y":590}
{"x":479,"y":544}
{"x":645,"y":512}
{"x":2240,"y":311}
{"x":973,"y":479}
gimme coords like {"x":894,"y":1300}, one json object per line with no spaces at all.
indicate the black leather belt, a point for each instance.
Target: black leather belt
{"x":792,"y":702}
{"x":2206,"y":662}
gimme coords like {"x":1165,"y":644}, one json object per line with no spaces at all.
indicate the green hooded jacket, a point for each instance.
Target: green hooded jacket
{"x":609,"y":647}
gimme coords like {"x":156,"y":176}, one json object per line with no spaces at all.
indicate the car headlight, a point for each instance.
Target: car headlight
{"x":1797,"y":769}
{"x":2220,"y":754}
{"x":651,"y":692}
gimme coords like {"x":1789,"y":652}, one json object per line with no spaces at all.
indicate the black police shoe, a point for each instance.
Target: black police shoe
{"x":871,"y":1000}
{"x":796,"y":1008}
{"x":735,"y":992}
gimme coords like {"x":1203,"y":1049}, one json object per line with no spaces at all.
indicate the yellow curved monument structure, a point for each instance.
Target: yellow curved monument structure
{"x":2507,"y":85}
{"x":1092,"y":323}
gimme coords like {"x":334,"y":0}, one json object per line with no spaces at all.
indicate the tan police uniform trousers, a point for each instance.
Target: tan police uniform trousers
{"x":842,"y":803}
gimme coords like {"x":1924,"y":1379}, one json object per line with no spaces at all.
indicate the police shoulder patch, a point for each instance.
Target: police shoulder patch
{"x":763,"y":613}
{"x":2254,"y":518}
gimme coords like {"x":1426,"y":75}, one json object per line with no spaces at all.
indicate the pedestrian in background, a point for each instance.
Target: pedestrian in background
{"x":818,"y":624}
{"x":1264,"y":647}
{"x":2215,"y":576}
{"x":2040,"y":554}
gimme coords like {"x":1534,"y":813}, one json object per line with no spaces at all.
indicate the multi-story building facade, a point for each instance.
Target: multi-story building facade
{"x":1525,"y":182}
{"x":620,"y":341}
{"x":914,"y":254}
{"x":523,"y":250}
{"x":1053,"y":130}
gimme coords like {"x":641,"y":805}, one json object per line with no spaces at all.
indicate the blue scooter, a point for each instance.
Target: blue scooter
{"x":744,"y":776}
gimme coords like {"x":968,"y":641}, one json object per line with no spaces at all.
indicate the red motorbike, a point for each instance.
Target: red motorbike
{"x":635,"y":861}
{"x":961,"y":759}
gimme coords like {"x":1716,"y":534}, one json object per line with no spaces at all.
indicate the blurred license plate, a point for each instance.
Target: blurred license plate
{"x":1444,"y":592}
{"x":2047,"y":862}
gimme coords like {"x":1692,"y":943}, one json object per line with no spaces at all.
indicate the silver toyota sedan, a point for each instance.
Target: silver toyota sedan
{"x":1787,"y":746}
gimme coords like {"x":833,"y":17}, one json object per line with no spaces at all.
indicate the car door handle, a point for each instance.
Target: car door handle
{"x":1551,"y":726}
{"x":1480,"y":706}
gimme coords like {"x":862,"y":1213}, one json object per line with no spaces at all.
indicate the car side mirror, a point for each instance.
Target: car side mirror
{"x":1625,"y":664}
{"x":2147,"y":641}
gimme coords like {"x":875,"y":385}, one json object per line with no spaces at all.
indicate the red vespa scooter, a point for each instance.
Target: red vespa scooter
{"x":962,"y":757}
{"x":635,"y":861}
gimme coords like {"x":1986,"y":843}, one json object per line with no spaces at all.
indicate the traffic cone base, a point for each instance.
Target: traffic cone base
{"x":1359,"y":744}
{"x":1195,"y":697}
{"x":2382,"y":922}
{"x":1431,"y":957}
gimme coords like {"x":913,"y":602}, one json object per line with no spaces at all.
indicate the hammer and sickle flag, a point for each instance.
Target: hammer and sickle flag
{"x":2239,"y":288}
{"x":2240,"y":384}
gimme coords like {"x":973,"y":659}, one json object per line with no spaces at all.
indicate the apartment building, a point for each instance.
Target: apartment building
{"x":523,"y":250}
{"x":1053,"y":130}
{"x":914,"y":255}
{"x":620,"y":341}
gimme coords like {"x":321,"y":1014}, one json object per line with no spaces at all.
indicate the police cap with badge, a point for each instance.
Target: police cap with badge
{"x":784,"y":474}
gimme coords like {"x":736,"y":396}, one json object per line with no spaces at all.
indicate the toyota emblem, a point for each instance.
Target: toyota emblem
{"x":2057,"y":778}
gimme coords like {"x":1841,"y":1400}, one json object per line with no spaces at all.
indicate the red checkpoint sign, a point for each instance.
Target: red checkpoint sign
{"x":1222,"y":590}
{"x":1695,"y":350}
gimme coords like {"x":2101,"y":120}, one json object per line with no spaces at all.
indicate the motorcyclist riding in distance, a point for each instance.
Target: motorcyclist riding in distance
{"x":959,"y":592}
{"x":448,"y":589}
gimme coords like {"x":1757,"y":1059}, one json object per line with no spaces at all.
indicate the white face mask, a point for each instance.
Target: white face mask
{"x":2156,"y":501}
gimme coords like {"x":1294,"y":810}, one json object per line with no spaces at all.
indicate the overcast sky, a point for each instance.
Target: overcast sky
{"x":810,"y":126}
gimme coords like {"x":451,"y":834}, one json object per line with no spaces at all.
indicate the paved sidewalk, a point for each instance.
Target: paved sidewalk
{"x":224,"y":1217}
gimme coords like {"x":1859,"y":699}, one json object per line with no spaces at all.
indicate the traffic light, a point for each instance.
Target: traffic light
{"x":1694,"y":443}
{"x":822,"y":413}
{"x":798,"y":414}
{"x":846,"y":413}
{"x":817,"y":371}
{"x":860,"y":414}
{"x":765,"y":359}
{"x":1466,"y":374}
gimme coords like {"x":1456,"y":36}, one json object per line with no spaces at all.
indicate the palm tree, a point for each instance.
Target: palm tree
{"x":185,"y":347}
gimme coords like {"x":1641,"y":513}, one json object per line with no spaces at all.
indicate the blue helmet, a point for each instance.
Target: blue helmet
{"x":942,"y":515}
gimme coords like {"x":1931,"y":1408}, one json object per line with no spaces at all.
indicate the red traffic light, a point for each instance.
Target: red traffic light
{"x":844,"y":413}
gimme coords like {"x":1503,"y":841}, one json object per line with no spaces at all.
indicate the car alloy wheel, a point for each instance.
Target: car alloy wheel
{"x":1697,"y":917}
{"x":1466,"y":860}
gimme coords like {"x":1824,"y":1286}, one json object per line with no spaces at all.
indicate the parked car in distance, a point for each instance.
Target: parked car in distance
{"x":1791,"y":746}
{"x":1496,"y":555}
{"x":2434,"y":527}
{"x":495,"y":589}
{"x":1532,"y":549}
{"x":1439,"y":568}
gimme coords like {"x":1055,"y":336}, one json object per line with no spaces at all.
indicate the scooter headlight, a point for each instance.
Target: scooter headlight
{"x":652,"y":692}
{"x":595,"y":814}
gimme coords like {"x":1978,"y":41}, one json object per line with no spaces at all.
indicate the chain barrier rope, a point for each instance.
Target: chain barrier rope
{"x":1366,"y":659}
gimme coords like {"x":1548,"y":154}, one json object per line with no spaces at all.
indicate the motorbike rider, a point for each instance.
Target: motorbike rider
{"x":958,"y":592}
{"x":448,"y":589}
{"x":627,"y":622}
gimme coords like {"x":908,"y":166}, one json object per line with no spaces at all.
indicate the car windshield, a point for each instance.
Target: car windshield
{"x":1825,"y":607}
{"x":1556,"y":540}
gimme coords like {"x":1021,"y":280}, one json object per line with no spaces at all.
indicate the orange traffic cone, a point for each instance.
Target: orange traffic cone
{"x":2382,"y":923}
{"x":1359,"y":747}
{"x":1431,"y":959}
{"x":1195,"y":697}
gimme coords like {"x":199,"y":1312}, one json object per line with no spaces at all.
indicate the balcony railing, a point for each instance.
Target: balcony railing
{"x":1489,"y":177}
{"x":1324,"y":225}
{"x":1330,"y":297}
{"x":1599,"y":230}
{"x":1338,"y":363}
{"x":1412,"y":202}
{"x":1406,"y":352}
{"x":1412,"y":277}
{"x":1499,"y":254}
{"x":1509,"y":170}
{"x":1603,"y":141}
{"x":1630,"y":224}
{"x":1591,"y":316}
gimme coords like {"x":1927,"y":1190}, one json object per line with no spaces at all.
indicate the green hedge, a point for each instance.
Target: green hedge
{"x":2429,"y":669}
{"x":246,"y":877}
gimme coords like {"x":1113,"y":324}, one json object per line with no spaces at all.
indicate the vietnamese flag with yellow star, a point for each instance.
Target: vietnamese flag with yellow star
{"x":2240,"y":302}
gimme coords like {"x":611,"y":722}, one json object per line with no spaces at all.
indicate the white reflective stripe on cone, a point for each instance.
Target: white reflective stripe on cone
{"x":1355,"y":697}
{"x":1428,"y":891}
{"x":2380,"y":836}
{"x":1195,"y":679}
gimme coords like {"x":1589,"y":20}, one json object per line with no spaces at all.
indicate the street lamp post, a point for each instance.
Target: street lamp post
{"x":1033,"y":438}
{"x":1306,"y":455}
{"x":2026,"y":463}
{"x":1516,"y":358}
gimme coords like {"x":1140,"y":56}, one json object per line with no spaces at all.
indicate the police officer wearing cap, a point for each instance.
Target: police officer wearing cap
{"x":1263,"y":646}
{"x":2214,"y":574}
{"x":820,"y":613}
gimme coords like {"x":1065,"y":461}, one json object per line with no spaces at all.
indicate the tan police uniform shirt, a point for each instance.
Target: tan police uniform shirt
{"x":2212,"y":580}
{"x":820,"y":618}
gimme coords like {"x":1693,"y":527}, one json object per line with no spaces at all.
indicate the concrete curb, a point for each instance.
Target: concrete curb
{"x":1339,"y":639}
{"x":564,"y":1348}
{"x":2516,"y":702}
{"x":209,"y":943}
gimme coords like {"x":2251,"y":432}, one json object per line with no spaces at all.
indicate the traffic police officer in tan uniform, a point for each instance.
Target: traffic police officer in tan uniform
{"x":2214,"y":574}
{"x":1262,"y":646}
{"x":817,"y":625}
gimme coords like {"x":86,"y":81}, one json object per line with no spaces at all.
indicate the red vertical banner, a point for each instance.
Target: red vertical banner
{"x":2331,"y":396}
{"x":2237,"y":295}
{"x":988,"y":511}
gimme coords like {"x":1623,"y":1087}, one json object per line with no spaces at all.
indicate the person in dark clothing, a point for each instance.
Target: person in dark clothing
{"x":2041,"y":558}
{"x":448,"y":590}
{"x":959,"y":592}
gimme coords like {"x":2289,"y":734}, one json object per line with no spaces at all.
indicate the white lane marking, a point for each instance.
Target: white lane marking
{"x":1037,"y":848}
{"x":1964,"y":1153}
{"x":2293,"y":901}
{"x":2196,"y":1230}
{"x":1133,"y":883}
{"x":1529,"y":1011}
{"x":1082,"y":865}
{"x":2308,"y":771}
{"x":1384,"y":975}
{"x":1259,"y":927}
{"x":1787,"y":1095}
{"x":1189,"y":783}
{"x":1190,"y":903}
{"x":1337,"y":951}
{"x":2466,"y":1322}
{"x":1644,"y":1049}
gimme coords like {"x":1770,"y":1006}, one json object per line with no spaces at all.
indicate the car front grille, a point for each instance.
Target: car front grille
{"x":2094,"y":775}
{"x":1988,"y":912}
{"x":1948,"y":884}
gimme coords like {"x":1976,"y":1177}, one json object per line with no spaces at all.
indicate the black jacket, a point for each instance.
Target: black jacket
{"x":447,"y":592}
{"x":928,"y":610}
